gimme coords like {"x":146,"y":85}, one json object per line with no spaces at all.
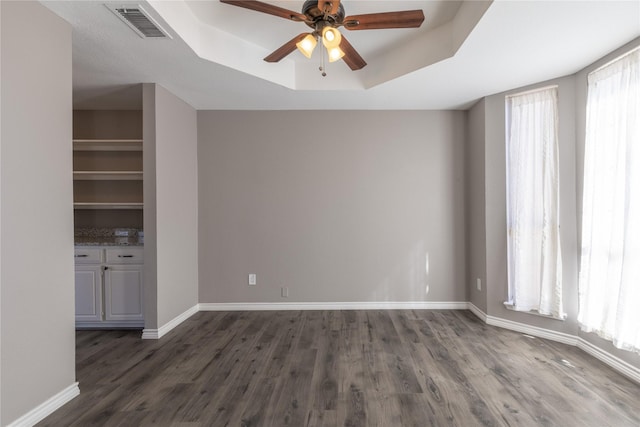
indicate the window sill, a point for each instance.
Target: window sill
{"x":510,"y":306}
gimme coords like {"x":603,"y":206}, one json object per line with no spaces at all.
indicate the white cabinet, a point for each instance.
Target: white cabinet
{"x":124,"y":256}
{"x":123,"y":292}
{"x":88,"y":293}
{"x":109,"y":287}
{"x":88,"y":255}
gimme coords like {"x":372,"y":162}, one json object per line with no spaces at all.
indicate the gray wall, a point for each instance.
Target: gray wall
{"x":475,"y":205}
{"x":0,"y":221}
{"x":336,"y":206}
{"x":171,"y":206}
{"x":176,"y":205}
{"x":149,"y":214}
{"x":38,"y":337}
{"x":572,"y":120}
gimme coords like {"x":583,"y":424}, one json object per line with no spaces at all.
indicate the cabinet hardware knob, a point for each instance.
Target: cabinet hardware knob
{"x":81,"y":256}
{"x":125,"y":256}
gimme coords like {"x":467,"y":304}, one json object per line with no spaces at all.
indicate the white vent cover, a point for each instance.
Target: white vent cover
{"x":139,"y":21}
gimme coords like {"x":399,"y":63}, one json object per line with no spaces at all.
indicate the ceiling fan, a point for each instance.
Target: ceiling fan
{"x":325,"y":17}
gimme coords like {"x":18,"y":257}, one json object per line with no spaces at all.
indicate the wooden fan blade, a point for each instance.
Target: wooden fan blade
{"x":285,"y":49}
{"x":259,"y":6}
{"x":375,"y":21}
{"x":351,"y":57}
{"x":335,"y":5}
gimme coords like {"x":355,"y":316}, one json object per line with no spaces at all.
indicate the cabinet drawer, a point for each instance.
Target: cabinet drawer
{"x":125,"y":256}
{"x":88,"y":256}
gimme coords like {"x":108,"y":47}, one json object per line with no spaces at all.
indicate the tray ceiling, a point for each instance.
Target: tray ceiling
{"x":464,"y":51}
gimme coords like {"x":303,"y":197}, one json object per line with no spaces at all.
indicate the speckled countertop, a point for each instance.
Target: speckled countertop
{"x":107,"y":237}
{"x":108,"y":241}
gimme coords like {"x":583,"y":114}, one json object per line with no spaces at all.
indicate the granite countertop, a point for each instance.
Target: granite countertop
{"x":108,"y":237}
{"x":107,"y":241}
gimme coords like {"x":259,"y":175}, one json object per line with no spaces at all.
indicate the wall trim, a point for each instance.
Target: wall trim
{"x":607,"y":358}
{"x":149,"y":333}
{"x":46,"y":408}
{"x":533,"y":330}
{"x":373,"y":305}
{"x":619,"y":365}
{"x":479,"y":313}
{"x":155,"y":334}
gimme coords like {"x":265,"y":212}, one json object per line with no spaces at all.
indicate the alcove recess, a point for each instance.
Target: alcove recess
{"x":107,"y":169}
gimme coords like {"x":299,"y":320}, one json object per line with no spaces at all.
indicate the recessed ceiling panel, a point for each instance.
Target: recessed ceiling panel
{"x":240,"y":38}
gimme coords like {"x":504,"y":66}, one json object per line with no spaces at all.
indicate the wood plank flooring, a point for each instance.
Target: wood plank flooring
{"x":342,"y":368}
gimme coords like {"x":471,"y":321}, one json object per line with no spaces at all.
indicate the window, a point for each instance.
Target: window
{"x":609,"y":283}
{"x":533,"y":230}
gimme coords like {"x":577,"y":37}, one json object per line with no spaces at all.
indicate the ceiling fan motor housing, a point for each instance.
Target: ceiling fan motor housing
{"x":316,"y":16}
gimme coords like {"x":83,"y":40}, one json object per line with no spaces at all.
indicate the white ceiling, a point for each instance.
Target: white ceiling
{"x":460,"y":54}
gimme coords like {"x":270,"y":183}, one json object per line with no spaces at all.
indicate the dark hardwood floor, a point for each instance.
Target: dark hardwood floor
{"x":342,"y":368}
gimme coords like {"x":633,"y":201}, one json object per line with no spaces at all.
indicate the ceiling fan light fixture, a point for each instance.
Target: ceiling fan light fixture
{"x":331,"y":37}
{"x":324,"y":17}
{"x":307,"y":44}
{"x":335,"y":54}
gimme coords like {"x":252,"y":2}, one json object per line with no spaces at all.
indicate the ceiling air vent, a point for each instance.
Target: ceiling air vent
{"x":139,"y":21}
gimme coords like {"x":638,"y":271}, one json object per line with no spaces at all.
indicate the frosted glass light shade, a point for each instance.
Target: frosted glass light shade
{"x":306,"y":45}
{"x":335,"y":54}
{"x":331,"y":37}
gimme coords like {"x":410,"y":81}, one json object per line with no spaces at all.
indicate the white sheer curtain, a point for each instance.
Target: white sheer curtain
{"x":533,"y":245}
{"x":609,"y":283}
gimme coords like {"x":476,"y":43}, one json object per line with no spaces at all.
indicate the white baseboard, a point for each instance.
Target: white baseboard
{"x":479,"y":313}
{"x":607,"y":358}
{"x":155,"y":334}
{"x":150,"y":334}
{"x":532,"y":330}
{"x":377,"y":305}
{"x":619,"y":365}
{"x":46,"y":408}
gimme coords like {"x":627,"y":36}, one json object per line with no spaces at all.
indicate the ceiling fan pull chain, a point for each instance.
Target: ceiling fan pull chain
{"x":322,"y":67}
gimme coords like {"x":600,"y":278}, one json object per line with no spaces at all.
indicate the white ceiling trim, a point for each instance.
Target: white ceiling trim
{"x":221,"y":47}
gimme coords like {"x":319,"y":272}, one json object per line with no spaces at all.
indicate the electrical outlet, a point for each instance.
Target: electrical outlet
{"x":284,"y":292}
{"x":252,"y":279}
{"x":478,"y":284}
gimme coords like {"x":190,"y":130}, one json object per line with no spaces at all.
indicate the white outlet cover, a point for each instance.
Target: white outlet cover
{"x":478,"y":284}
{"x":252,"y":279}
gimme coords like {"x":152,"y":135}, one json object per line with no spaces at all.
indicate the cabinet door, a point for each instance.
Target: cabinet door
{"x":123,"y":292}
{"x":88,"y":293}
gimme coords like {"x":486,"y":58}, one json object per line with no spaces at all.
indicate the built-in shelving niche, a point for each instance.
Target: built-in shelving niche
{"x":107,"y":169}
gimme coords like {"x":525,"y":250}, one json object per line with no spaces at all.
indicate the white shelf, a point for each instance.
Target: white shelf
{"x":107,"y":205}
{"x":107,"y":175}
{"x":107,"y":145}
